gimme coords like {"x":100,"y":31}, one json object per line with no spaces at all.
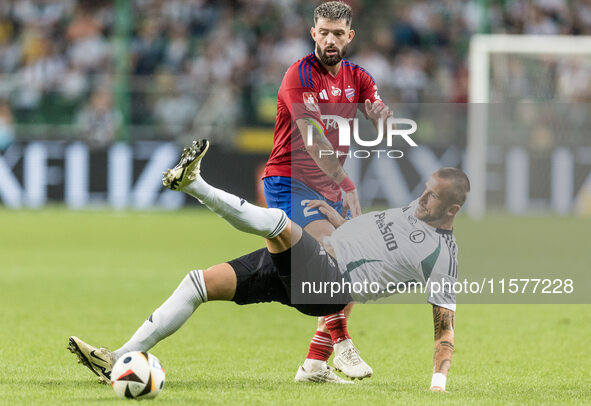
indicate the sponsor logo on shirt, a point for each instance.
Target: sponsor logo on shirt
{"x":335,"y":91}
{"x":323,"y":95}
{"x":311,"y":102}
{"x":386,"y":231}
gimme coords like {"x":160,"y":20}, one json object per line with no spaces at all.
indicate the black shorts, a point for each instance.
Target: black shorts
{"x":265,"y":277}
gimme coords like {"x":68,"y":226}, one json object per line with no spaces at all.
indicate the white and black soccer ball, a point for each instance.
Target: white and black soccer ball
{"x":137,"y":375}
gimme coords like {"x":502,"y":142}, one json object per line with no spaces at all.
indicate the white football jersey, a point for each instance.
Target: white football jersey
{"x":393,"y":247}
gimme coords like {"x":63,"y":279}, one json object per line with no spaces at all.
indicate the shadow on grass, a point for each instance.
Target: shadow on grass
{"x":271,"y":385}
{"x":56,"y":383}
{"x":53,"y":391}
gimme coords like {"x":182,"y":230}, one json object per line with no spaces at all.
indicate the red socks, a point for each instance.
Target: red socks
{"x":337,"y":325}
{"x":320,"y":347}
{"x":321,"y":344}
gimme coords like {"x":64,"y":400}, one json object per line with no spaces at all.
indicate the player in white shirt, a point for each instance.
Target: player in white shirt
{"x":393,"y":247}
{"x":414,"y":243}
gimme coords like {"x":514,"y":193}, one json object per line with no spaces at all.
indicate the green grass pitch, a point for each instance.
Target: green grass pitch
{"x":99,"y":275}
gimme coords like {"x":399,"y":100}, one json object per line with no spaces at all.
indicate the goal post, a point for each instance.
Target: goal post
{"x":482,"y":49}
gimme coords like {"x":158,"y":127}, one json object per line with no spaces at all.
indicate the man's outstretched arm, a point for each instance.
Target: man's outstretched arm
{"x":329,"y":164}
{"x":443,"y":323}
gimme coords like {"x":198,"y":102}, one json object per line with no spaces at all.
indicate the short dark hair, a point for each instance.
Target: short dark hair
{"x":460,"y":182}
{"x":334,"y":10}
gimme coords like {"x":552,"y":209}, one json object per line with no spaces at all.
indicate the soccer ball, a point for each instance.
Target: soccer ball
{"x":137,"y":375}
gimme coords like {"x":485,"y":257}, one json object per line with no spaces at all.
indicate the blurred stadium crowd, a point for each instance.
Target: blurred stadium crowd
{"x":216,"y":65}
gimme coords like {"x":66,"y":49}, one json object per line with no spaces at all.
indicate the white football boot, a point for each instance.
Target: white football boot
{"x":347,"y":360}
{"x":99,"y":360}
{"x":187,"y":170}
{"x":319,"y":376}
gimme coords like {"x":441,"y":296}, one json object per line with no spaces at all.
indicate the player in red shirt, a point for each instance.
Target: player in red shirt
{"x":297,"y":172}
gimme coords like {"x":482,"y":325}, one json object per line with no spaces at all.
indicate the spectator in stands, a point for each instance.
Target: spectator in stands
{"x":225,"y":55}
{"x":99,"y":121}
{"x":6,"y":125}
{"x":87,"y":48}
{"x":174,"y":110}
{"x":148,"y":48}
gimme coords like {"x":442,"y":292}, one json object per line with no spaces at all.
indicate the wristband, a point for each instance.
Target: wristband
{"x":347,"y":185}
{"x":438,"y":380}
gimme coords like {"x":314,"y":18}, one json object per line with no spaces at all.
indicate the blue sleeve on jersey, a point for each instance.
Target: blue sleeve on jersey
{"x":305,"y":71}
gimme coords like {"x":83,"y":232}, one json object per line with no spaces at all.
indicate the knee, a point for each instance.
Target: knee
{"x":220,"y":282}
{"x":290,"y":235}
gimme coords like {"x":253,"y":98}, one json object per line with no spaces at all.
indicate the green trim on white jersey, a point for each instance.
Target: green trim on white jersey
{"x":428,"y":263}
{"x":394,"y":246}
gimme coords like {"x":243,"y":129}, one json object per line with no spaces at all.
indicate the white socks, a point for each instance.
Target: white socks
{"x":177,"y":309}
{"x":170,"y":316}
{"x":267,"y":223}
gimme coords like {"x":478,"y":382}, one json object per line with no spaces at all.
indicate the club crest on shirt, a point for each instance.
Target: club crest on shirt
{"x":350,"y":94}
{"x":311,"y":102}
{"x":417,"y":236}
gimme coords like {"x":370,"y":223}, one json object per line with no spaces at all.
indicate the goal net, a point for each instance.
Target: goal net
{"x":529,"y":144}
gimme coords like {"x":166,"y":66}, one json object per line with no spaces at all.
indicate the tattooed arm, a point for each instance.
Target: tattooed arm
{"x":443,"y":322}
{"x":323,"y":153}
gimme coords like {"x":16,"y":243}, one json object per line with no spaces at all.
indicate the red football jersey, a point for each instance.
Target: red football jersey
{"x":305,"y":85}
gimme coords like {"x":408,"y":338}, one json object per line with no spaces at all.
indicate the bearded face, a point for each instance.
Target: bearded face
{"x":331,"y":37}
{"x":331,"y":55}
{"x":429,"y":214}
{"x":433,"y":203}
